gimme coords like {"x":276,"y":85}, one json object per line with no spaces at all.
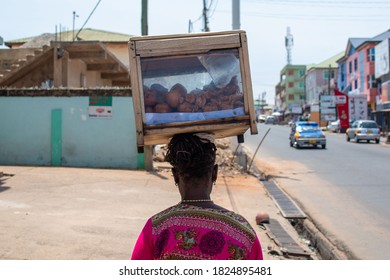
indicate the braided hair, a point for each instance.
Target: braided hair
{"x":191,"y":155}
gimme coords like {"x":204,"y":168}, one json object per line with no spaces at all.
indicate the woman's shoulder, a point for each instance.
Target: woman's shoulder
{"x":222,"y":215}
{"x":186,"y":209}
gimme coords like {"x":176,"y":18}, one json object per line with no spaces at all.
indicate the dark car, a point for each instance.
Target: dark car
{"x":363,"y":130}
{"x":307,"y":134}
{"x":270,"y":120}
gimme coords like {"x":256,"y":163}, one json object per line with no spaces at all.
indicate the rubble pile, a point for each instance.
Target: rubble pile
{"x":225,"y":159}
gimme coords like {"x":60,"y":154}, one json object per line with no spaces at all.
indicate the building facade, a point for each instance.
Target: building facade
{"x":68,"y":103}
{"x":356,"y":70}
{"x":321,"y":78}
{"x":382,"y":76}
{"x":96,"y":59}
{"x":290,"y":91}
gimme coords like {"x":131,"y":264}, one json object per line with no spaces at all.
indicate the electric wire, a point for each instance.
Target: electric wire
{"x":88,"y":18}
{"x":308,"y":14}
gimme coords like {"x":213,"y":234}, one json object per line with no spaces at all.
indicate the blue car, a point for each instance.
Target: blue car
{"x":307,"y":134}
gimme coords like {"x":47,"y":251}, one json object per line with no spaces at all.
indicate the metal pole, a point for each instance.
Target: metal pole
{"x":250,"y":165}
{"x":148,"y":150}
{"x":74,"y":20}
{"x":144,"y":18}
{"x":236,"y":14}
{"x":74,"y":15}
{"x":329,"y":80}
{"x":205,"y":17}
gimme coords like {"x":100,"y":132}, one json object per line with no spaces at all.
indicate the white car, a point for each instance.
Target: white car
{"x":261,"y":118}
{"x":363,"y":130}
{"x":334,"y":126}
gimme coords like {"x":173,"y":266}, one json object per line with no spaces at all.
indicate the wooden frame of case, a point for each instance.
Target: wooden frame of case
{"x":185,"y":44}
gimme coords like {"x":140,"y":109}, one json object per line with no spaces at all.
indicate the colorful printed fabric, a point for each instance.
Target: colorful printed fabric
{"x":190,"y":232}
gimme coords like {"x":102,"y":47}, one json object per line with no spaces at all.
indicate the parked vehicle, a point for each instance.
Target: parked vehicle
{"x":363,"y":130}
{"x":270,"y":120}
{"x":334,"y":126}
{"x":261,"y":118}
{"x":307,"y":134}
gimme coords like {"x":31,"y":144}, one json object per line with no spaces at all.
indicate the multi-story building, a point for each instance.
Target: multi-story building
{"x":357,"y":69}
{"x":382,"y":76}
{"x":320,"y":79}
{"x":354,"y":71}
{"x":95,"y":58}
{"x":347,"y":64}
{"x":290,"y":91}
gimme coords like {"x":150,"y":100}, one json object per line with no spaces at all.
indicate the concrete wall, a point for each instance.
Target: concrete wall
{"x":121,"y":51}
{"x":13,"y":55}
{"x":77,"y":68}
{"x":49,"y":130}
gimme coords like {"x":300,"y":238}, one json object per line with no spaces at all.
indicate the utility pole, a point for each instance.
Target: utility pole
{"x":190,"y":26}
{"x":236,"y":14}
{"x":147,"y":157}
{"x":329,"y":71}
{"x":289,"y":42}
{"x":263,"y":94}
{"x":205,"y":17}
{"x":74,"y":19}
{"x":144,"y":18}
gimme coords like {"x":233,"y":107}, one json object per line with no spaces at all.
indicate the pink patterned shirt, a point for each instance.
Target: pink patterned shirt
{"x":190,"y":232}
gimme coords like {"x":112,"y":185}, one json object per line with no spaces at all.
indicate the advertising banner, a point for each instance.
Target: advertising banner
{"x":382,"y":58}
{"x":357,"y":106}
{"x":342,"y":107}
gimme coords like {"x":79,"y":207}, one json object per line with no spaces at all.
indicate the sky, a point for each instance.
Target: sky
{"x":320,"y":28}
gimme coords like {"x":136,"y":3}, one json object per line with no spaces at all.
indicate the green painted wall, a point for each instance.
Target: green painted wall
{"x":58,"y":131}
{"x":56,"y":137}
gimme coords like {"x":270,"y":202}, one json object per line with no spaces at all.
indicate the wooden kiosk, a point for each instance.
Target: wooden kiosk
{"x":191,"y":83}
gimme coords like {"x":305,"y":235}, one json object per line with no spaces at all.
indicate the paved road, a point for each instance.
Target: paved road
{"x":97,"y":214}
{"x":345,"y":188}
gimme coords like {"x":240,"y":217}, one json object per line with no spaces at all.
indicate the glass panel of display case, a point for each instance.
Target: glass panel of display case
{"x":192,"y":87}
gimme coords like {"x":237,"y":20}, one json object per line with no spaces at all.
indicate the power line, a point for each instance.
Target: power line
{"x":317,"y":17}
{"x":316,"y":2}
{"x":87,"y":19}
{"x":325,"y":4}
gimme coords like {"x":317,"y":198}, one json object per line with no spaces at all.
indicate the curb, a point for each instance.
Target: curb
{"x":323,"y":247}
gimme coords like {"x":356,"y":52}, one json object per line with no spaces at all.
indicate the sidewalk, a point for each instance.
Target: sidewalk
{"x":78,"y":213}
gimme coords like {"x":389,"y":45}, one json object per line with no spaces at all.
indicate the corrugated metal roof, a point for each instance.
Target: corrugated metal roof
{"x":86,"y":34}
{"x":355,"y":42}
{"x":332,"y":61}
{"x":380,"y":37}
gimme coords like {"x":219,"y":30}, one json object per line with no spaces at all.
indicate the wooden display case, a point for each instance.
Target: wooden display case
{"x":191,"y":83}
